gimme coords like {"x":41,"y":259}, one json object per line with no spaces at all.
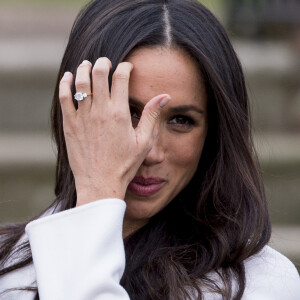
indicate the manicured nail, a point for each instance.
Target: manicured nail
{"x":85,"y":62}
{"x":164,"y":101}
{"x":67,"y":75}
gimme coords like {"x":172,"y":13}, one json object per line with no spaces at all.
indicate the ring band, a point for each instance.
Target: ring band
{"x":79,"y":96}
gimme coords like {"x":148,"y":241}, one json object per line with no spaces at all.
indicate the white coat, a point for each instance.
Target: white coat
{"x":78,"y":254}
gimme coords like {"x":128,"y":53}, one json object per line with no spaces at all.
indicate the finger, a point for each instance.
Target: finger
{"x":150,"y":116}
{"x":100,"y":73}
{"x":83,"y":85}
{"x":65,"y":96}
{"x":120,"y":84}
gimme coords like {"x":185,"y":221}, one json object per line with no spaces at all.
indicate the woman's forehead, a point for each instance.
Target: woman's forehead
{"x":161,"y":66}
{"x":163,"y":70}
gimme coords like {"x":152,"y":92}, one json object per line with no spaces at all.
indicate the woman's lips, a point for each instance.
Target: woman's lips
{"x":145,"y":186}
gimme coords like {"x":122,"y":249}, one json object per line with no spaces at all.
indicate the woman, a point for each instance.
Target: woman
{"x":159,"y":119}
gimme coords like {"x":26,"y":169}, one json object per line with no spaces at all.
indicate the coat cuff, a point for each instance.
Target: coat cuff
{"x":79,"y":253}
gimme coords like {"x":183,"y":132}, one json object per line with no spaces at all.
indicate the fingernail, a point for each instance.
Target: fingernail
{"x":85,"y":62}
{"x":67,"y":75}
{"x":164,"y":101}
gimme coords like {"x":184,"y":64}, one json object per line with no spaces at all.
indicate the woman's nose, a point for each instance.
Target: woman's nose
{"x":156,"y":154}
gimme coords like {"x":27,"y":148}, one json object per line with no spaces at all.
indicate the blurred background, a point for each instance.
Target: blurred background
{"x":266,"y":36}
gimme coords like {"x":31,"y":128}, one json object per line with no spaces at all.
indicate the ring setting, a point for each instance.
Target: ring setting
{"x":79,"y":96}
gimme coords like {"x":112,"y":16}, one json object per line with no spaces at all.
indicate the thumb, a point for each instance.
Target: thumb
{"x":150,"y":115}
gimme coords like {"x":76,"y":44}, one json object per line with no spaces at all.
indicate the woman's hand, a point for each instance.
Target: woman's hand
{"x":104,"y":150}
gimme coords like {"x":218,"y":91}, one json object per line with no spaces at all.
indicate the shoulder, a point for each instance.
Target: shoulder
{"x":270,"y":275}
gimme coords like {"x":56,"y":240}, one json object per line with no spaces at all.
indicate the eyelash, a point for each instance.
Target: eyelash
{"x":185,"y":121}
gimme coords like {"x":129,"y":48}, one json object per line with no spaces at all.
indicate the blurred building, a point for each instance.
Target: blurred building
{"x":261,"y":18}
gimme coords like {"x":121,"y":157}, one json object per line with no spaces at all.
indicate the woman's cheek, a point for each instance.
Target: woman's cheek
{"x":187,"y":151}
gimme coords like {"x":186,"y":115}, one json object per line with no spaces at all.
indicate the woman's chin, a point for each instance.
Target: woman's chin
{"x":139,"y":210}
{"x":145,"y":207}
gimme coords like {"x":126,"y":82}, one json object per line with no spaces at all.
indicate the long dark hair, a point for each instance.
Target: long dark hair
{"x":221,"y":217}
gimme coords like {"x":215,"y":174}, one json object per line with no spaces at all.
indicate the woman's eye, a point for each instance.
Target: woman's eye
{"x":182,"y":121}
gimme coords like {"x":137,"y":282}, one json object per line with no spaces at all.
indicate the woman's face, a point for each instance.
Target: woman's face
{"x":180,"y":134}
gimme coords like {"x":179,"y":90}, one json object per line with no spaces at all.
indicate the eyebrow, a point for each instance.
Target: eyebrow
{"x":174,"y":109}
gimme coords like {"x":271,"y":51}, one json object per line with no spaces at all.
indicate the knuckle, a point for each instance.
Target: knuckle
{"x":62,"y":84}
{"x":153,"y":114}
{"x":63,"y":81}
{"x":121,"y":75}
{"x":69,"y":127}
{"x":101,"y":71}
{"x":118,"y":116}
{"x":82,"y":84}
{"x":96,"y":118}
{"x":63,"y":95}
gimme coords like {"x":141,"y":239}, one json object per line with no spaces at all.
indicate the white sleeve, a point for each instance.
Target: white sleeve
{"x":79,"y":254}
{"x":271,"y":276}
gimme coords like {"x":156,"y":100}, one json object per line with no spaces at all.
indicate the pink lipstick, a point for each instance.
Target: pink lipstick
{"x":145,"y":186}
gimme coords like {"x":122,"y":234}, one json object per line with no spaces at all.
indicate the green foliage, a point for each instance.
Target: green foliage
{"x":211,"y":3}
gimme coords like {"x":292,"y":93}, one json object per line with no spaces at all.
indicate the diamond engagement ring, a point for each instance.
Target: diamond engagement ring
{"x":81,"y":96}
